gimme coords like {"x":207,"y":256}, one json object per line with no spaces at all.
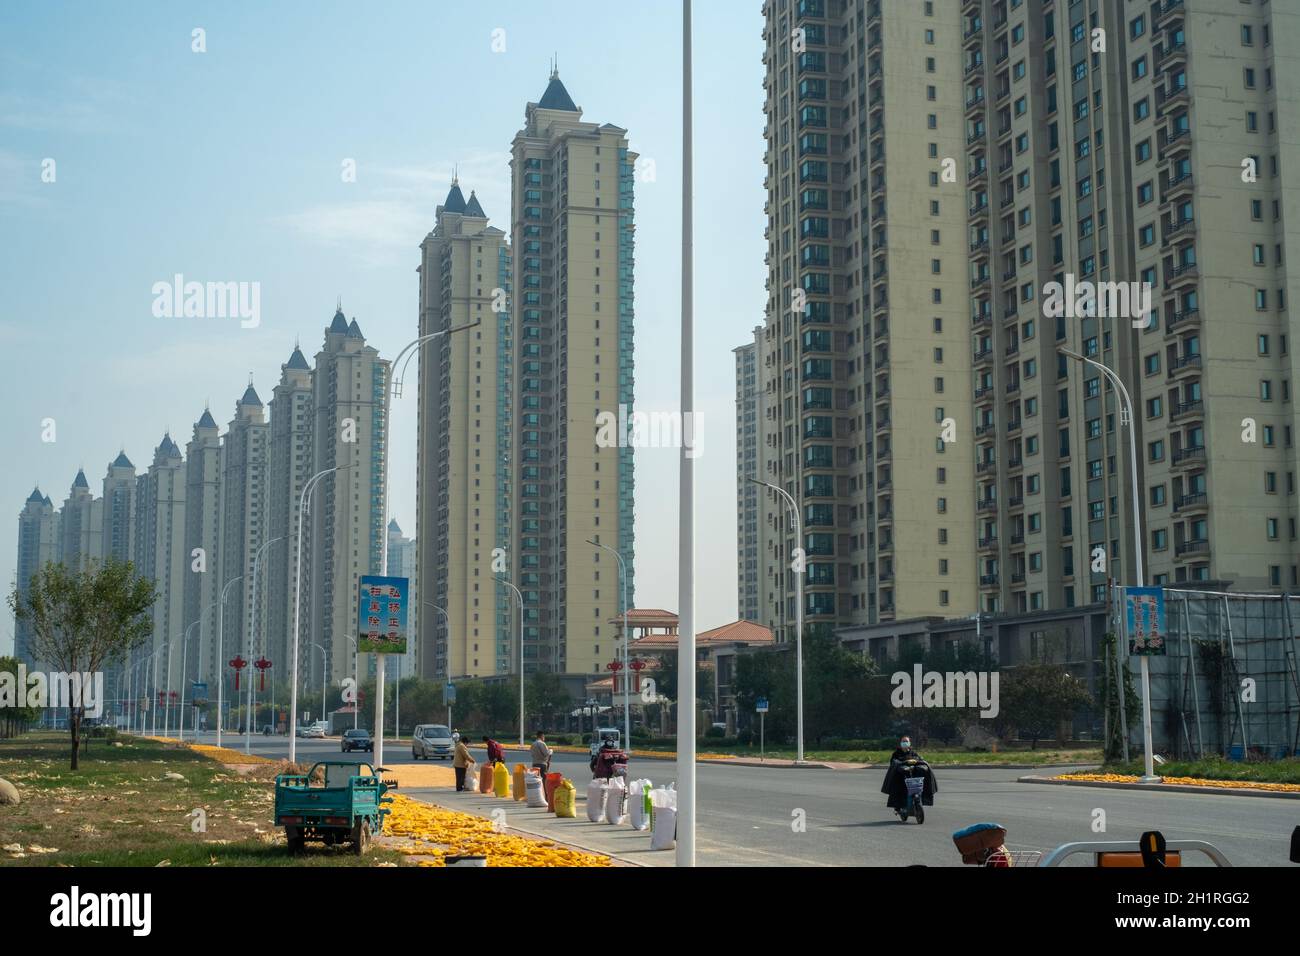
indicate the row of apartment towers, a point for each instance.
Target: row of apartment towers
{"x":511,"y":482}
{"x":206,"y":522}
{"x":907,"y":387}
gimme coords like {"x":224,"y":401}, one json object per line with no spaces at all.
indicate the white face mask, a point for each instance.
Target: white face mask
{"x":906,"y":745}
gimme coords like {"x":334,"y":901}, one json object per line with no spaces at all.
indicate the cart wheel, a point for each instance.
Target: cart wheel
{"x":293,"y":835}
{"x":360,"y":836}
{"x":902,"y":815}
{"x":920,"y":813}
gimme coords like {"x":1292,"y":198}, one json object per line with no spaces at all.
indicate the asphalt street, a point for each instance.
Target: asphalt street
{"x":750,"y":816}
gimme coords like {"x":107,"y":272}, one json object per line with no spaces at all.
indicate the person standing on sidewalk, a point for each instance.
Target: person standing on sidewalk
{"x":495,"y":753}
{"x":460,"y":761}
{"x":541,"y":755}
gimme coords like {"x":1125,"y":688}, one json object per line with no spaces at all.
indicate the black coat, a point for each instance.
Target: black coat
{"x":897,"y":789}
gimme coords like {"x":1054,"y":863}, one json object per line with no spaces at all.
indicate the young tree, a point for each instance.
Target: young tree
{"x":83,"y":620}
{"x":1037,"y":697}
{"x":546,"y":697}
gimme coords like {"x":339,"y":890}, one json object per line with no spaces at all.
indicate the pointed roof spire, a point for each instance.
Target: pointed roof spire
{"x":455,"y":201}
{"x":354,"y":331}
{"x":80,"y":480}
{"x":207,"y":421}
{"x":394,"y":527}
{"x":472,"y":208}
{"x":121,"y":461}
{"x":250,"y":394}
{"x":556,"y":96}
{"x":296,"y":359}
{"x":36,"y":495}
{"x":340,"y":324}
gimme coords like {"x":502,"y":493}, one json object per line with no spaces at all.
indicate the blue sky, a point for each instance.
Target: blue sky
{"x":225,"y":166}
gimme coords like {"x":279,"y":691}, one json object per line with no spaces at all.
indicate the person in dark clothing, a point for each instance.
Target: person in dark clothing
{"x":895,"y":786}
{"x":609,"y":760}
{"x":495,"y":752}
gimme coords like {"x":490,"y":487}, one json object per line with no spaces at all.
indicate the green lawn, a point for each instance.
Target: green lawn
{"x":1218,"y":768}
{"x":119,"y":809}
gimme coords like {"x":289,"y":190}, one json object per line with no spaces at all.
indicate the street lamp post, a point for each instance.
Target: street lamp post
{"x":1139,"y":572}
{"x":297,"y":611}
{"x":686,"y":490}
{"x":798,"y":569}
{"x":520,"y":596}
{"x":356,"y":679}
{"x":252,"y":639}
{"x":185,"y":646}
{"x":221,"y":630}
{"x":627,"y":676}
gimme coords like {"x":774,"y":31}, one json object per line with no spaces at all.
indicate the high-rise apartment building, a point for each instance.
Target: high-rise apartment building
{"x":1065,"y":146}
{"x":748,"y":439}
{"x":465,"y":442}
{"x":867,"y":328}
{"x":160,"y":554}
{"x":38,"y":545}
{"x":244,"y":518}
{"x":119,"y":509}
{"x":81,"y":526}
{"x":202,"y":557}
{"x":290,"y":463}
{"x":572,"y":301}
{"x":347,"y":509}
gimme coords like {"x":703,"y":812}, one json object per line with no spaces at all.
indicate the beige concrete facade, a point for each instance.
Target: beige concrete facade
{"x":464,"y":452}
{"x":160,"y":550}
{"x":202,"y":560}
{"x":572,"y":297}
{"x":346,"y":518}
{"x":244,"y":519}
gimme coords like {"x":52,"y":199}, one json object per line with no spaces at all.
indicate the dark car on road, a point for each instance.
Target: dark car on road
{"x":357,"y":740}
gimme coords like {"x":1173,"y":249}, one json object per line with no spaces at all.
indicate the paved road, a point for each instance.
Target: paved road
{"x":746,"y":813}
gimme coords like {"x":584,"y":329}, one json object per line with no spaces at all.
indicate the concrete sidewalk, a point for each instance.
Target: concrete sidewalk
{"x":621,"y":843}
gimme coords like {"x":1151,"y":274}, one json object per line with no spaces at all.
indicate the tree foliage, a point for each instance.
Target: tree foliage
{"x":83,"y":620}
{"x":1037,"y":697}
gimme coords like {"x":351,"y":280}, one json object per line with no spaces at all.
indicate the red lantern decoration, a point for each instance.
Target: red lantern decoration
{"x":261,"y":664}
{"x":238,"y":663}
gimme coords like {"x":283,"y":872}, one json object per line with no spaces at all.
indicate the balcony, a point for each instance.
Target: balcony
{"x":1182,"y":275}
{"x":987,"y":504}
{"x":982,"y":354}
{"x":980,"y":282}
{"x":1016,"y":501}
{"x":1166,"y":9}
{"x":980,"y":248}
{"x":1194,"y":547}
{"x":1012,"y":349}
{"x":1018,"y":577}
{"x":1172,"y":55}
{"x":988,"y":429}
{"x":1179,"y":143}
{"x":1013,"y":426}
{"x":978,"y":174}
{"x":1017,"y":539}
{"x":988,"y":580}
{"x":1180,"y":227}
{"x":1013,"y":387}
{"x":1176,"y":188}
{"x":1183,"y":364}
{"x":1179,"y":320}
{"x":985,"y":467}
{"x":980,"y":210}
{"x":989,"y":543}
{"x":1198,"y":501}
{"x":1016,"y":463}
{"x":1189,"y":455}
{"x":972,"y":34}
{"x":981,"y":318}
{"x":1183,"y":410}
{"x":984,"y":391}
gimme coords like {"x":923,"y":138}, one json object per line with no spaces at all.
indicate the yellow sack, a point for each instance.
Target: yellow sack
{"x":565,"y":802}
{"x":501,"y":780}
{"x":520,"y":773}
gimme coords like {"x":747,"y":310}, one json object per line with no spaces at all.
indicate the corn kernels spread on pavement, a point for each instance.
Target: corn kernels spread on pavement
{"x":448,"y":833}
{"x":1191,"y":781}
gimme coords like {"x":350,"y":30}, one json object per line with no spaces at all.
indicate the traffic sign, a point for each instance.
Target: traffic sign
{"x":760,"y":706}
{"x":449,"y":693}
{"x":381,"y":614}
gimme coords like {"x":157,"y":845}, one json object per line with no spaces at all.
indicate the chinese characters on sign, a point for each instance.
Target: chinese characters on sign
{"x":1144,"y":620}
{"x":381,"y":615}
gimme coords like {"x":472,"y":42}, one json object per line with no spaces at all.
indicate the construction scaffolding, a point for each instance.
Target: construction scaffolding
{"x":1229,"y":683}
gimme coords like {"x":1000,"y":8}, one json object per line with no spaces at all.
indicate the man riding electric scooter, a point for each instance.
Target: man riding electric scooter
{"x":909,"y":783}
